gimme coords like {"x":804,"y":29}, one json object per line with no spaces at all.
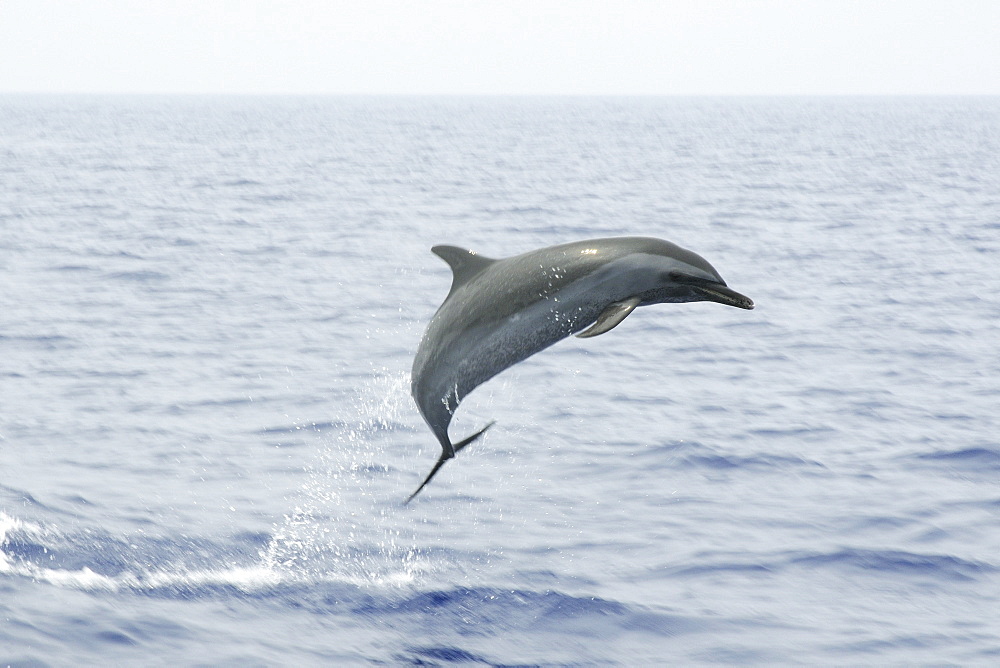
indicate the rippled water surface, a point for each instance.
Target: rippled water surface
{"x":209,"y":311}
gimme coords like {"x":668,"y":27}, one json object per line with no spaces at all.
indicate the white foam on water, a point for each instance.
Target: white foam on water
{"x":263,"y":576}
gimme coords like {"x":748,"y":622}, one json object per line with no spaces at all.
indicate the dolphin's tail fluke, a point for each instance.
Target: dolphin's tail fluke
{"x":464,"y":442}
{"x":445,"y":456}
{"x":437,"y":467}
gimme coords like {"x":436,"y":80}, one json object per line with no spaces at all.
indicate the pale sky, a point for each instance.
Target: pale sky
{"x":611,"y":47}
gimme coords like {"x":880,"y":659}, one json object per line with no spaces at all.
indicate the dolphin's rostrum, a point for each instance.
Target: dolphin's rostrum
{"x":500,"y":312}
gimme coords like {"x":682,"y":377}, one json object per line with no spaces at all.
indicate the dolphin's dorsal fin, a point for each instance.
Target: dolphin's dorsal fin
{"x":610,"y":317}
{"x":465,"y":264}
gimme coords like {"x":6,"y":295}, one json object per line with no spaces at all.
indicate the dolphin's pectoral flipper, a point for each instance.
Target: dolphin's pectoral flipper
{"x":610,"y":317}
{"x":445,"y":457}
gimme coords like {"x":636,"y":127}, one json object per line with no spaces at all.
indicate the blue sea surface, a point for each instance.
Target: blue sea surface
{"x":208,"y":311}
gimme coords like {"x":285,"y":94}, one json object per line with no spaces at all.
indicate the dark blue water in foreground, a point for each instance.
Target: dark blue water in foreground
{"x":208,"y":312}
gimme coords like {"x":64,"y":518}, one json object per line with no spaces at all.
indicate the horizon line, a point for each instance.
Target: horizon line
{"x":82,"y":93}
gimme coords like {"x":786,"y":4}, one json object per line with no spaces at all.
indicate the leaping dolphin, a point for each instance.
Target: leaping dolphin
{"x":500,"y":312}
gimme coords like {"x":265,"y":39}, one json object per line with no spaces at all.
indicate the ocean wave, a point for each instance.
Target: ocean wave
{"x":240,"y":568}
{"x":698,"y":456}
{"x":978,"y":458}
{"x":895,"y":563}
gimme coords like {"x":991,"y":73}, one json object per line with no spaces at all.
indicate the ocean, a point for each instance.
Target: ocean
{"x":209,"y":307}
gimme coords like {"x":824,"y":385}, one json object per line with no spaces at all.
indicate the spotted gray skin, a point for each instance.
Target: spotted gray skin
{"x":500,"y":312}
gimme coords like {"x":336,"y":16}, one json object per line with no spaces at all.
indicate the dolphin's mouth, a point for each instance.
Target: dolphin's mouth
{"x":722,"y":294}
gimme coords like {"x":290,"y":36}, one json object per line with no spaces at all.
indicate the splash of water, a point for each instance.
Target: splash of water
{"x":325,"y":534}
{"x":329,"y":536}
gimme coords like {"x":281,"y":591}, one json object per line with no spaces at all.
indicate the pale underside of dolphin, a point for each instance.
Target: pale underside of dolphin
{"x":500,"y":312}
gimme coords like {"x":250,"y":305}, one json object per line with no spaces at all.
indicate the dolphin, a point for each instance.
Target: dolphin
{"x":501,"y":312}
